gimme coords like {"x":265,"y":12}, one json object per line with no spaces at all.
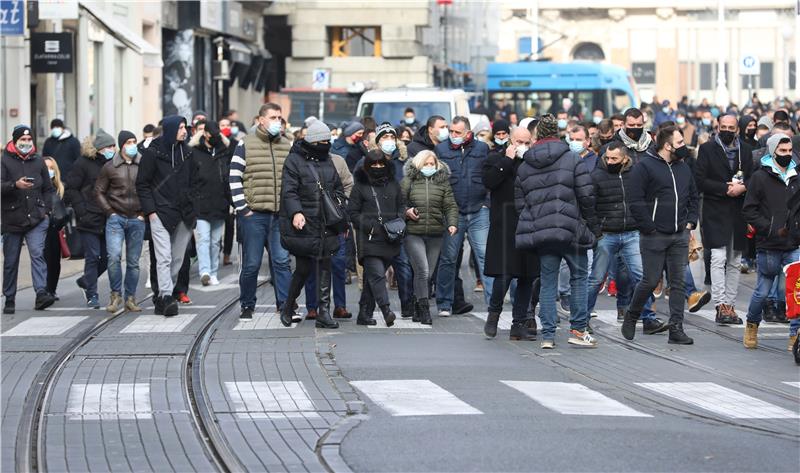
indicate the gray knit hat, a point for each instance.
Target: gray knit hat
{"x":766,"y":121}
{"x":774,"y":141}
{"x":318,"y":131}
{"x":547,"y":127}
{"x":351,"y":128}
{"x":103,"y":140}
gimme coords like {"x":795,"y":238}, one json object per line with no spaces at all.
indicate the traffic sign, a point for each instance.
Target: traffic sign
{"x":749,"y":65}
{"x":321,"y":79}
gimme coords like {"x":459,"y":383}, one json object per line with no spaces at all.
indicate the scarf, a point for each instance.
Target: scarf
{"x":639,"y":146}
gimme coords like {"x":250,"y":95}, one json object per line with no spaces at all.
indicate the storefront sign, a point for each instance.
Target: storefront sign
{"x":12,"y":17}
{"x":51,"y":52}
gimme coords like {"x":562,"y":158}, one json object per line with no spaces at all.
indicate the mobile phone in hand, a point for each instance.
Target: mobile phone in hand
{"x":29,"y":179}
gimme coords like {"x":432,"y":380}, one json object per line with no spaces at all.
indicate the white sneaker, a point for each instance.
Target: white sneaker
{"x":548,"y":344}
{"x":213,"y":281}
{"x":147,"y":282}
{"x":594,"y":314}
{"x":583,"y":339}
{"x":444,"y":313}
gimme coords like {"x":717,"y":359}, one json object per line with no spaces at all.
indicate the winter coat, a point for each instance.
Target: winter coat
{"x":433,"y":199}
{"x":466,"y":173}
{"x":115,"y":189}
{"x":372,"y":239}
{"x":351,"y":153}
{"x":553,"y":195}
{"x":420,"y":142}
{"x":300,"y":194}
{"x":751,"y":142}
{"x":165,"y":178}
{"x":80,"y":194}
{"x":502,"y":255}
{"x":396,"y":162}
{"x":636,"y":156}
{"x":722,"y":215}
{"x":612,"y":196}
{"x":255,"y":172}
{"x":344,"y":173}
{"x":66,"y":149}
{"x":23,"y":209}
{"x":663,"y":196}
{"x":793,"y":214}
{"x":765,"y":206}
{"x":211,"y":189}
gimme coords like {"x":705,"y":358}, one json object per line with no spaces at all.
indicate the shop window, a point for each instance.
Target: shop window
{"x":708,"y":75}
{"x":762,"y":81}
{"x":349,"y":41}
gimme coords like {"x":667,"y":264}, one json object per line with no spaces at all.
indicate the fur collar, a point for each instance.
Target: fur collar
{"x":360,"y":175}
{"x":442,"y":175}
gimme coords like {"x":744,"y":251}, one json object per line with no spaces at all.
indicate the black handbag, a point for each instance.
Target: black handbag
{"x":395,"y":228}
{"x":332,"y":210}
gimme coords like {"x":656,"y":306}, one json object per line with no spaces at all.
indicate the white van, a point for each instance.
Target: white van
{"x":389,"y":105}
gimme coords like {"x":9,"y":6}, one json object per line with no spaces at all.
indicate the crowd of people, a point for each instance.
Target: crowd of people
{"x":556,"y":209}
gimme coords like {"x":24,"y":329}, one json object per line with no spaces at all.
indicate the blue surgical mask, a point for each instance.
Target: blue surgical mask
{"x":501,"y":142}
{"x":443,"y":134}
{"x":131,"y":151}
{"x":56,"y":132}
{"x":706,"y":122}
{"x":597,"y":119}
{"x":234,"y":130}
{"x":680,"y":120}
{"x":52,"y":173}
{"x":665,"y":110}
{"x":410,"y":120}
{"x":457,"y":140}
{"x":576,"y":146}
{"x":388,"y":146}
{"x":109,"y":153}
{"x":562,"y":124}
{"x":428,"y":171}
{"x":274,"y":128}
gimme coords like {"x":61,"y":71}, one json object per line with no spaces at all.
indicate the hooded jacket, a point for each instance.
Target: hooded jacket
{"x":66,"y":149}
{"x":351,"y":153}
{"x":115,"y":189}
{"x":420,"y":142}
{"x":165,"y":178}
{"x":663,"y":196}
{"x":553,"y":196}
{"x":79,"y":190}
{"x":765,"y":205}
{"x":466,"y":173}
{"x":433,"y":199}
{"x":372,"y":239}
{"x":612,"y":195}
{"x":743,"y":122}
{"x":212,"y":197}
{"x":23,"y":209}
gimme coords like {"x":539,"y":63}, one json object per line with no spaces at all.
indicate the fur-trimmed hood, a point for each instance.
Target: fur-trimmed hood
{"x":442,"y":175}
{"x":87,"y":147}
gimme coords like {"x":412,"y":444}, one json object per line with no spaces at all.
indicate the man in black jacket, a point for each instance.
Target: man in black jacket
{"x":427,"y":137}
{"x":164,"y":185}
{"x":765,"y":209}
{"x":27,"y":196}
{"x":62,"y":146}
{"x":663,"y":201}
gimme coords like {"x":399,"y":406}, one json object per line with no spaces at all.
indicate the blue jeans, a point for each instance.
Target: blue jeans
{"x":131,"y":231}
{"x":624,"y":246}
{"x":770,"y":267}
{"x":259,"y":229}
{"x":12,"y":246}
{"x":476,"y":228}
{"x":208,"y":244}
{"x":338,"y":268}
{"x":95,"y":260}
{"x":577,"y":261}
{"x":563,"y":276}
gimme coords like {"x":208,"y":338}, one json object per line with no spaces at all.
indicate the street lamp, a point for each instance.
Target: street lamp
{"x":722,"y":94}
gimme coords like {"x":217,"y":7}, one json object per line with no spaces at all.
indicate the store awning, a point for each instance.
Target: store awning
{"x":124,"y":34}
{"x":240,"y":52}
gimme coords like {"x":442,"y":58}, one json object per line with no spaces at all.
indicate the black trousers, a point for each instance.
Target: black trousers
{"x":52,"y":256}
{"x":374,"y":291}
{"x":230,"y":230}
{"x":659,"y":250}
{"x":302,"y":271}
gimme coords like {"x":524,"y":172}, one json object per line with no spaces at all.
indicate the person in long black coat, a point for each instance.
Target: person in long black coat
{"x":723,"y":168}
{"x":375,"y":251}
{"x":504,"y":261}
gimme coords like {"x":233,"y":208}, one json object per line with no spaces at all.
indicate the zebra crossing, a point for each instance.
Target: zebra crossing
{"x":422,"y":397}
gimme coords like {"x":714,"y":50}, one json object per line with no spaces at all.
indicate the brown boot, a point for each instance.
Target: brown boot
{"x":751,"y":335}
{"x":341,"y":313}
{"x":312,"y":314}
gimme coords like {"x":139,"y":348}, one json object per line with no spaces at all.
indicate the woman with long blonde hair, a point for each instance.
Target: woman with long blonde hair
{"x":52,"y":243}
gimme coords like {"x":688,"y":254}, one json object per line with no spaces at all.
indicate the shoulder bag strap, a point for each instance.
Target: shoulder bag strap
{"x":375,"y":195}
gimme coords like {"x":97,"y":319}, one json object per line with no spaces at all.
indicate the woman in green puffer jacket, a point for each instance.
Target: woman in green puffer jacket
{"x":430,"y":210}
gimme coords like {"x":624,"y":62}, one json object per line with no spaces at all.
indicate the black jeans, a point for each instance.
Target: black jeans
{"x":522,"y":296}
{"x":374,"y":291}
{"x":95,"y":259}
{"x":660,"y":250}
{"x":230,"y":229}
{"x":52,"y":256}
{"x":303,"y":267}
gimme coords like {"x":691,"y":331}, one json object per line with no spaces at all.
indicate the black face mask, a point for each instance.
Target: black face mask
{"x":750,"y":134}
{"x":377,"y":174}
{"x":783,"y":160}
{"x":605,"y":140}
{"x":634,"y":133}
{"x":727,"y":136}
{"x":615,"y":168}
{"x":681,"y":153}
{"x":317,"y":150}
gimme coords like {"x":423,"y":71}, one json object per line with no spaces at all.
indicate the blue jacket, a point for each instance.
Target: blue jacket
{"x":663,"y":196}
{"x":466,"y":173}
{"x":350,"y":153}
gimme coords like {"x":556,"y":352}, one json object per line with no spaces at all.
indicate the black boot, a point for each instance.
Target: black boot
{"x":629,"y":325}
{"x":170,"y":306}
{"x":424,"y":312}
{"x":364,"y":317}
{"x":324,"y":319}
{"x":677,"y":336}
{"x":286,"y":314}
{"x":388,"y":315}
{"x":490,"y":327}
{"x":44,"y":300}
{"x":654,"y":326}
{"x":158,"y":305}
{"x":417,"y":317}
{"x":521,"y":331}
{"x":407,"y":309}
{"x":10,"y":306}
{"x":531,"y":325}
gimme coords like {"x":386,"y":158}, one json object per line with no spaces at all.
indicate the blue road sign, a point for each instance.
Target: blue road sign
{"x":12,"y":17}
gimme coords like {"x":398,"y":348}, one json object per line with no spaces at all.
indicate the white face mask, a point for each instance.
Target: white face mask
{"x":521,"y":149}
{"x":444,"y":133}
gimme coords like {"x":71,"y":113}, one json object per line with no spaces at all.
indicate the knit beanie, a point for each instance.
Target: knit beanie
{"x":500,"y":125}
{"x":103,"y":140}
{"x":123,"y":136}
{"x":766,"y":121}
{"x":318,"y":131}
{"x":20,"y":131}
{"x":352,"y":128}
{"x":383,"y":129}
{"x":547,"y":127}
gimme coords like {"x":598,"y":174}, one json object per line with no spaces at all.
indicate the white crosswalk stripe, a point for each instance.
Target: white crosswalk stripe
{"x":270,"y":399}
{"x":573,"y":399}
{"x":158,"y":323}
{"x":109,"y":401}
{"x":43,"y":325}
{"x":266,"y":320}
{"x":793,"y":383}
{"x":720,"y":400}
{"x":413,"y":397}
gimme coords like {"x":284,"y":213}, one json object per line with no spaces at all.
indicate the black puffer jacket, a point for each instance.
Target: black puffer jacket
{"x":212,"y":195}
{"x":372,"y":238}
{"x":765,"y":208}
{"x":420,"y":142}
{"x":166,"y":173}
{"x":611,"y":194}
{"x":79,"y":193}
{"x":553,"y":196}
{"x":23,"y":209}
{"x":300,"y":194}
